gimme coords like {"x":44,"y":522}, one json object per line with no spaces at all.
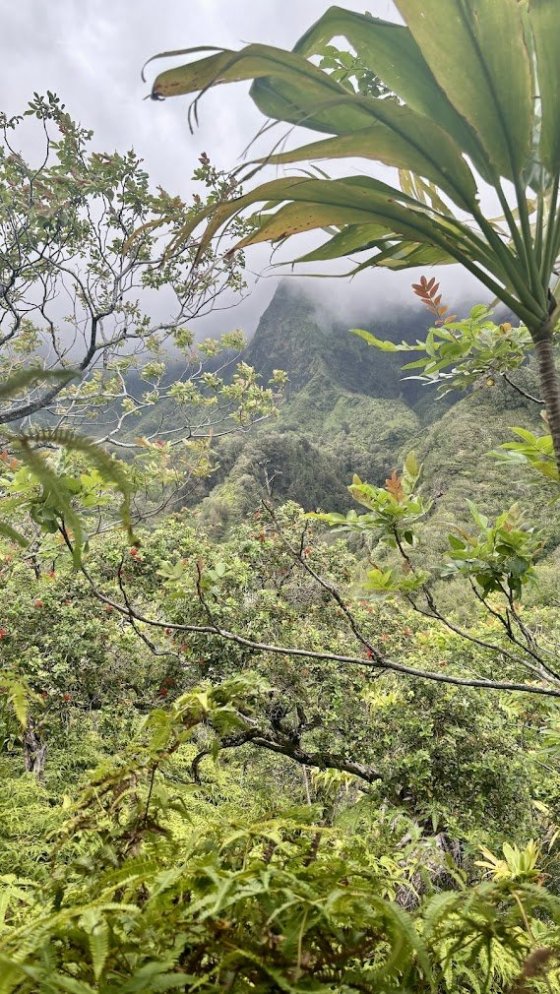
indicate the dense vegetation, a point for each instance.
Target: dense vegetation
{"x":279,"y":641}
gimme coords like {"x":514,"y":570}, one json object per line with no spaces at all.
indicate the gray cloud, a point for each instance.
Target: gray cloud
{"x":91,"y":51}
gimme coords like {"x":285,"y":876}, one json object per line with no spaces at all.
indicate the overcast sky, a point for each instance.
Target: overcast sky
{"x":91,"y":52}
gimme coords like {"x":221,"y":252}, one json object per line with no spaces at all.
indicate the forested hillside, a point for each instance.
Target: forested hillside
{"x":349,"y":409}
{"x":279,"y":629}
{"x":172,"y":739}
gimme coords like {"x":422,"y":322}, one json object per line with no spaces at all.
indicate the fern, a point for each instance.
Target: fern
{"x":97,"y":932}
{"x":108,"y":467}
{"x":53,"y":491}
{"x":18,"y":695}
{"x":9,"y":532}
{"x":26,"y":378}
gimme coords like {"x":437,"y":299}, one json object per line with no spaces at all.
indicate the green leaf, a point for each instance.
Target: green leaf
{"x":399,"y":138}
{"x":296,"y":218}
{"x":397,"y":60}
{"x":52,"y":489}
{"x":68,"y":984}
{"x":11,"y":973}
{"x":153,"y":978}
{"x":411,"y":465}
{"x":545,"y":26}
{"x":98,"y":939}
{"x":456,"y":543}
{"x":352,"y":238}
{"x":12,"y":534}
{"x":496,"y":94}
{"x":108,"y":467}
{"x":371,"y":339}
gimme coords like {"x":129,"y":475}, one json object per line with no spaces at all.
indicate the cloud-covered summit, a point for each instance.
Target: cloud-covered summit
{"x":91,"y":52}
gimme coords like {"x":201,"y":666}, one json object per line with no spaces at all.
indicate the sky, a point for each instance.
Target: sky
{"x":90,"y":52}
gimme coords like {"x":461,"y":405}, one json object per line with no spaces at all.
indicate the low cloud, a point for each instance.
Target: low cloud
{"x":91,"y":51}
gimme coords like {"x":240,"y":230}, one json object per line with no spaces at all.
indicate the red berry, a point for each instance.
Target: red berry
{"x":3,"y":633}
{"x":38,"y":603}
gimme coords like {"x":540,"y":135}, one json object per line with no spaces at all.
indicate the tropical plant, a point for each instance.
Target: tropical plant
{"x":139,"y":898}
{"x":103,"y":365}
{"x":472,"y":106}
{"x":471,"y":353}
{"x":283,"y":822}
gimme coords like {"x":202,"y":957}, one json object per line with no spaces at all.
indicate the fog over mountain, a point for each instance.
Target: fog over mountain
{"x":91,"y":52}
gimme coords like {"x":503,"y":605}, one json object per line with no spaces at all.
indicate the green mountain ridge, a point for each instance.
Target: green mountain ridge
{"x":349,"y":410}
{"x":295,"y":331}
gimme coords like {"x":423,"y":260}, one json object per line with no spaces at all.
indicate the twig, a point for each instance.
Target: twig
{"x":524,"y":393}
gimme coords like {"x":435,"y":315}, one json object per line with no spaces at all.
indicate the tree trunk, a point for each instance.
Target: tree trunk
{"x":550,"y":388}
{"x":34,"y":751}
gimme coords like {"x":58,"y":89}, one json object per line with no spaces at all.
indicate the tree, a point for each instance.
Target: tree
{"x":156,"y":878}
{"x":75,"y":294}
{"x":467,"y":101}
{"x":89,"y":316}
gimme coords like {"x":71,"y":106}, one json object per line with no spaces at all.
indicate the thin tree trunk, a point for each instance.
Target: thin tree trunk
{"x":34,"y":751}
{"x":550,"y":388}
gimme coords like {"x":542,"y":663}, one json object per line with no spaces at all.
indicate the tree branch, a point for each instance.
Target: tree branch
{"x":380,"y":664}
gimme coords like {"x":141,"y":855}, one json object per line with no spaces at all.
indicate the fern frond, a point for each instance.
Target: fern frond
{"x":53,"y":489}
{"x":30,"y":377}
{"x":98,"y":939}
{"x":13,"y":535}
{"x":108,"y":467}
